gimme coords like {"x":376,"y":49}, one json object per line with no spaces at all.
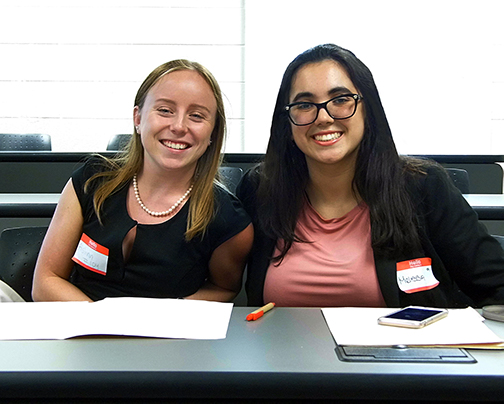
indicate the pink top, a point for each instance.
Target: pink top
{"x":336,"y":269}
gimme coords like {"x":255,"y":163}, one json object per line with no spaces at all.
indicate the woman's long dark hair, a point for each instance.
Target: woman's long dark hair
{"x":379,"y":175}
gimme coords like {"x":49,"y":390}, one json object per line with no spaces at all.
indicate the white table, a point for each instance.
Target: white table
{"x":487,"y":206}
{"x":28,"y":205}
{"x":287,"y":354}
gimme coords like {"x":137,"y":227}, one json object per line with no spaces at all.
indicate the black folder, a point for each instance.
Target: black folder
{"x":403,"y":354}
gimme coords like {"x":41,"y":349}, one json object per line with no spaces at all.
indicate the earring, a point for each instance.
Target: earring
{"x":137,"y":128}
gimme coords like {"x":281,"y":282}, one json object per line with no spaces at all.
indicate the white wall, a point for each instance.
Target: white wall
{"x":71,"y":68}
{"x":438,"y":64}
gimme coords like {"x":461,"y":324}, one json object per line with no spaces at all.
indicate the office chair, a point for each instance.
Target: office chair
{"x":460,"y":178}
{"x":25,"y":142}
{"x":19,"y":249}
{"x":230,"y":177}
{"x":118,"y":142}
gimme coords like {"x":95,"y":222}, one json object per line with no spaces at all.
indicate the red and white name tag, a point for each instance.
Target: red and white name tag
{"x":91,"y":255}
{"x":416,"y":275}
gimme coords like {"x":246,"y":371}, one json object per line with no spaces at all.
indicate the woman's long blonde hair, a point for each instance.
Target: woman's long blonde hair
{"x":121,"y":169}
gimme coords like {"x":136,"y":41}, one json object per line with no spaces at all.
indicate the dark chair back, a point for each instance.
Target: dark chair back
{"x":230,"y":177}
{"x":25,"y":142}
{"x":485,"y":178}
{"x":460,"y":178}
{"x":118,"y":142}
{"x":19,"y":249}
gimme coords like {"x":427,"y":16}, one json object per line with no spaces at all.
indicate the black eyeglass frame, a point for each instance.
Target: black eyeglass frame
{"x":356,"y":97}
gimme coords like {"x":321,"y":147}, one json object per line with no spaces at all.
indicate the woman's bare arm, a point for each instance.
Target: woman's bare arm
{"x":54,"y":264}
{"x":226,"y":268}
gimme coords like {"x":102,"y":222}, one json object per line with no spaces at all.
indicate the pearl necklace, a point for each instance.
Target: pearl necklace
{"x":157,"y":214}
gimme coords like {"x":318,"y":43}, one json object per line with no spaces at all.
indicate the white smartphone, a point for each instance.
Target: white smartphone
{"x":413,"y":317}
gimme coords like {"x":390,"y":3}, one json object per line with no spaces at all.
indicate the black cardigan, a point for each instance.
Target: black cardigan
{"x":466,"y":260}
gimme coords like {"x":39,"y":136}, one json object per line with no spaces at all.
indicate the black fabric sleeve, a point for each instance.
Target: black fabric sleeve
{"x":263,"y":247}
{"x":79,"y":179}
{"x":473,"y":258}
{"x":230,"y":217}
{"x":246,"y":191}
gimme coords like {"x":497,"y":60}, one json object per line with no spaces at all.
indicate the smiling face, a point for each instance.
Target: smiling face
{"x":326,"y":141}
{"x":176,"y":120}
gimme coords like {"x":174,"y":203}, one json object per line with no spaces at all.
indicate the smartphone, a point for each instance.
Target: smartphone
{"x":413,"y":317}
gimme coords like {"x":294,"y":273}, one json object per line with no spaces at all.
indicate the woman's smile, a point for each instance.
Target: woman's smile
{"x":175,"y":145}
{"x":327,"y":138}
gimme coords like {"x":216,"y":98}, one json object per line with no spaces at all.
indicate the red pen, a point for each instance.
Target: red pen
{"x":260,"y":312}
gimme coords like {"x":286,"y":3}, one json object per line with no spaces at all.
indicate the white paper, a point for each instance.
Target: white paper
{"x":359,"y":326}
{"x":161,"y":318}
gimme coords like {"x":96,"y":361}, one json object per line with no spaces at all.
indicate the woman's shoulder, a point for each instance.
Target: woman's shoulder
{"x":429,"y":183}
{"x":424,"y":172}
{"x":249,"y":182}
{"x":230,"y":214}
{"x":225,"y":199}
{"x":246,"y":190}
{"x":91,"y":166}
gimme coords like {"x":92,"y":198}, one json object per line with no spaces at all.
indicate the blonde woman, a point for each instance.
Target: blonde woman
{"x":153,"y":222}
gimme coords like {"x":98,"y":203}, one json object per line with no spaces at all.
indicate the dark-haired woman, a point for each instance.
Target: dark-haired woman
{"x":342,"y":220}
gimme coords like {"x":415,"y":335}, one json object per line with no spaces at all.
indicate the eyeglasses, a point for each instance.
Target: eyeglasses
{"x":340,"y":107}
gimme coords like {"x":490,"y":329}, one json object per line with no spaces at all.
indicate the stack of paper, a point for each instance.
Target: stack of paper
{"x":463,"y":328}
{"x":161,"y":318}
